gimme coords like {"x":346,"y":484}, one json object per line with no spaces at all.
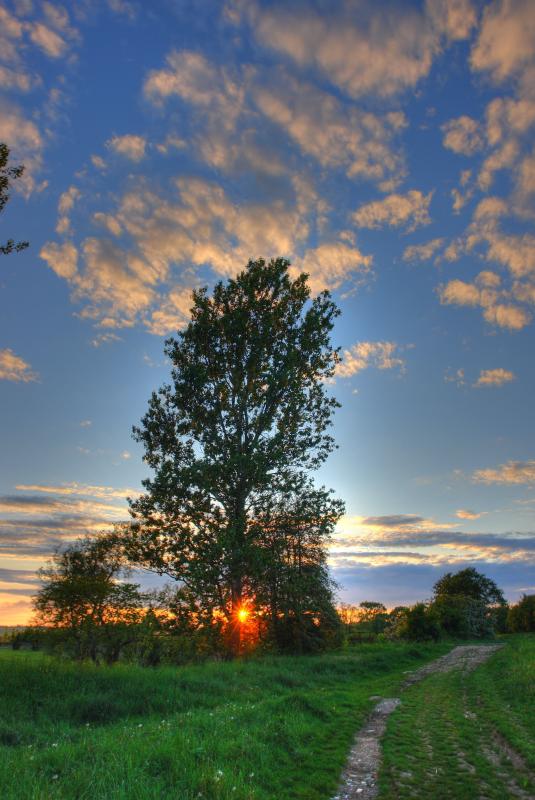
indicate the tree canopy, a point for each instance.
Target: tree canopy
{"x":469,"y":583}
{"x":230,"y":511}
{"x":82,"y":594}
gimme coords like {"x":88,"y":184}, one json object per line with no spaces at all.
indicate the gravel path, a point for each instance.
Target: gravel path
{"x":359,"y":779}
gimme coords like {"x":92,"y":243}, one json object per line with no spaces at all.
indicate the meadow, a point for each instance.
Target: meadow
{"x":270,"y":728}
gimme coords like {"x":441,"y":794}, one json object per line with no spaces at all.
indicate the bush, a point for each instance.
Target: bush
{"x":463,"y":616}
{"x":421,"y":624}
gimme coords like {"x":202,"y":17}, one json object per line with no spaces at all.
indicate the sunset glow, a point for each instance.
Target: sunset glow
{"x":243,"y":615}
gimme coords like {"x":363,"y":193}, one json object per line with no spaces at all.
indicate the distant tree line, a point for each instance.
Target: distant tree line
{"x":87,"y":610}
{"x":464,"y":605}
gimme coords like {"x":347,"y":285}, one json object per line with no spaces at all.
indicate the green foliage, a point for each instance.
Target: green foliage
{"x":468,"y":583}
{"x":420,"y":624}
{"x":93,"y":614}
{"x":467,"y":604}
{"x":274,"y":727}
{"x":521,"y":617}
{"x":7,"y":175}
{"x":230,"y":512}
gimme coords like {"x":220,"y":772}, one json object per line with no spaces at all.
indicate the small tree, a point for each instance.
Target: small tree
{"x":245,"y":414}
{"x":521,"y":616}
{"x":81,"y":595}
{"x":8,"y":174}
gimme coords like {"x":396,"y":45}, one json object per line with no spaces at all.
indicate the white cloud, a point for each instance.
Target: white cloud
{"x":466,"y":513}
{"x":494,"y":377}
{"x":109,"y":222}
{"x":14,"y":368}
{"x":363,"y":355}
{"x":47,"y":40}
{"x":62,"y":258}
{"x":16,"y":79}
{"x":98,"y":162}
{"x":506,"y":42}
{"x":130,"y":146}
{"x":331,"y":264}
{"x":504,"y":315}
{"x":25,"y":142}
{"x":65,"y":206}
{"x":409,"y":210}
{"x":462,"y":135}
{"x":512,"y":472}
{"x":422,"y":252}
{"x":381,"y":50}
{"x":148,"y":278}
{"x":338,"y":136}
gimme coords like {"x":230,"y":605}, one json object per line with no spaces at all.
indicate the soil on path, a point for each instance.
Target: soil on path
{"x":359,"y":779}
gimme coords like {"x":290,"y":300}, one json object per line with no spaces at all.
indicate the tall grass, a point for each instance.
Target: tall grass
{"x":264,"y":729}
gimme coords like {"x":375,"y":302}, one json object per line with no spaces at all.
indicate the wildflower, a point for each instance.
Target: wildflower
{"x":140,"y":725}
{"x":55,"y":777}
{"x":54,"y":744}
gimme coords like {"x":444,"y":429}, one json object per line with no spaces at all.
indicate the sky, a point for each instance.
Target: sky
{"x":386,"y":149}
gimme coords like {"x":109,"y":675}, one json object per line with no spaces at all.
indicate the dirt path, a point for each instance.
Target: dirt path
{"x":359,"y":779}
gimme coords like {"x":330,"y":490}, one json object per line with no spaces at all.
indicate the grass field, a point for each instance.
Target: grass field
{"x":266,"y":729}
{"x":462,"y":736}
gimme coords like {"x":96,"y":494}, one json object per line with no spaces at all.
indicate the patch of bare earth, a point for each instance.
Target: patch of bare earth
{"x":359,"y":779}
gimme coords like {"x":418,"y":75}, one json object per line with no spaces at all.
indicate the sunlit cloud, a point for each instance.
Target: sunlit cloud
{"x":130,"y":146}
{"x":14,"y":368}
{"x":466,"y":513}
{"x":363,"y":355}
{"x":409,"y":211}
{"x":462,"y":135}
{"x":422,"y":252}
{"x":494,"y":377}
{"x":512,"y":472}
{"x":383,"y":50}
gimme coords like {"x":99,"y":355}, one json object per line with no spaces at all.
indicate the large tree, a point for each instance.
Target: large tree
{"x":8,"y":174}
{"x":230,"y":438}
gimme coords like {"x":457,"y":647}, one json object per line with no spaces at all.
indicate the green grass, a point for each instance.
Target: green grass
{"x":264,"y":729}
{"x":468,"y":736}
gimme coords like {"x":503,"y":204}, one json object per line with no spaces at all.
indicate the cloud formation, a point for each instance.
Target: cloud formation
{"x":380,"y":50}
{"x":130,"y":146}
{"x":363,"y":355}
{"x":512,"y":472}
{"x":14,"y":368}
{"x":396,"y":210}
{"x":462,"y":135}
{"x":494,"y":377}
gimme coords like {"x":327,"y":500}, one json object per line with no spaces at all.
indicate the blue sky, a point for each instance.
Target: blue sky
{"x":385,"y":148}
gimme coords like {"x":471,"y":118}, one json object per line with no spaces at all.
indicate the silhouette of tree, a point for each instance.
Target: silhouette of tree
{"x":229,"y":441}
{"x":7,"y":175}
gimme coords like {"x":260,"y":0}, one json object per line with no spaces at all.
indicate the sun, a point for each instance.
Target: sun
{"x":243,"y":614}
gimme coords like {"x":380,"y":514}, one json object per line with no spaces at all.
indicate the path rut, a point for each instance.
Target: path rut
{"x":359,"y":779}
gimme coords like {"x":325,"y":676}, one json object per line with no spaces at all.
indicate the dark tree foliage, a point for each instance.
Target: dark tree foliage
{"x":469,"y":583}
{"x":82,"y":597}
{"x":467,"y":603}
{"x":521,"y":616}
{"x":229,"y":506}
{"x":8,"y":174}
